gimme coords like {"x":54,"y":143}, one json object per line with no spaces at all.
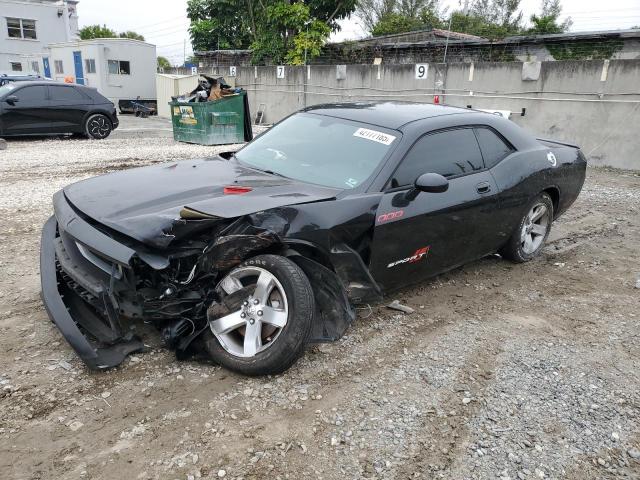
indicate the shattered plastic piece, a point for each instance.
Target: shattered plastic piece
{"x":396,"y":305}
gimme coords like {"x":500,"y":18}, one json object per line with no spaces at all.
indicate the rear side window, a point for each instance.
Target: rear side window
{"x":66,"y":94}
{"x":31,"y":95}
{"x":493,"y":147}
{"x":449,"y":153}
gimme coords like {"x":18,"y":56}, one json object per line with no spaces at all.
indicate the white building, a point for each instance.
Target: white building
{"x":120,"y":68}
{"x":27,"y":27}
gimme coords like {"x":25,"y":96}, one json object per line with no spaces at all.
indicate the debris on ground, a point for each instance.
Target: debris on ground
{"x":396,"y":305}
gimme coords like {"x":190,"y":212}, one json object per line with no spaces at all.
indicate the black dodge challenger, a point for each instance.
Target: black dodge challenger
{"x":248,"y":257}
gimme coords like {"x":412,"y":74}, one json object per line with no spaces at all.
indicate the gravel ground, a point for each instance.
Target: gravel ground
{"x":503,"y":371}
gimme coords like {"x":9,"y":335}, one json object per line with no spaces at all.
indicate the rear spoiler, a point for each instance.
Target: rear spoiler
{"x":558,"y":143}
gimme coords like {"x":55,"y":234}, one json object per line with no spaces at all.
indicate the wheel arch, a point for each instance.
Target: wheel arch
{"x":554,"y":192}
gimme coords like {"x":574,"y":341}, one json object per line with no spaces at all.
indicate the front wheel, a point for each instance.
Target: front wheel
{"x":271,"y":313}
{"x":98,"y":126}
{"x":527,"y":241}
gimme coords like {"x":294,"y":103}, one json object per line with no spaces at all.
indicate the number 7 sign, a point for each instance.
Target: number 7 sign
{"x":421,"y":71}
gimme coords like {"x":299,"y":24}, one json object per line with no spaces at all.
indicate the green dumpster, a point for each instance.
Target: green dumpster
{"x":216,"y":122}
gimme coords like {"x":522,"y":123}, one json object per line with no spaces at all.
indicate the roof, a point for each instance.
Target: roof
{"x":401,"y":41}
{"x":98,"y":41}
{"x":26,"y":83}
{"x":385,"y":114}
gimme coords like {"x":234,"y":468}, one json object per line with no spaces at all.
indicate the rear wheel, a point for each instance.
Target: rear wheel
{"x":271,"y":312}
{"x":98,"y":126}
{"x":527,"y":241}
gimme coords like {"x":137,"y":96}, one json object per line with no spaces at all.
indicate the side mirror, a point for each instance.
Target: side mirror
{"x":11,"y":99}
{"x":432,"y":183}
{"x":429,"y":183}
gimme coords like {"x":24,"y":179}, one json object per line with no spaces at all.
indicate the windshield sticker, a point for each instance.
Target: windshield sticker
{"x":352,"y":182}
{"x":379,"y":137}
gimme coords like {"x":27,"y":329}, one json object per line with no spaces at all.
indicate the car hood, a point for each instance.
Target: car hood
{"x":146,"y":203}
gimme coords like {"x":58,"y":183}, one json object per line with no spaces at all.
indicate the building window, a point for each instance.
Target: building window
{"x":57,"y":66}
{"x":119,"y":67}
{"x":35,"y":66}
{"x":90,"y":65}
{"x":21,"y":28}
{"x":16,"y":66}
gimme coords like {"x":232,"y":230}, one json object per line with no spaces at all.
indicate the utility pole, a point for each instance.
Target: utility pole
{"x":446,"y":44}
{"x":184,"y":52}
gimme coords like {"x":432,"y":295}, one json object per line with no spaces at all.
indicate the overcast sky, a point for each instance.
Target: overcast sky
{"x":165,"y":23}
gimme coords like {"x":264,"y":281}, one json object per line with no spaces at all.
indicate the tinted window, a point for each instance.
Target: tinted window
{"x":65,"y":94}
{"x":31,"y":95}
{"x":493,"y":146}
{"x":449,"y":153}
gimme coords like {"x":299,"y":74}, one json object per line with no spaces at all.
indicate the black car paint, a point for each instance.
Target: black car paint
{"x":51,"y":116}
{"x":182,"y":232}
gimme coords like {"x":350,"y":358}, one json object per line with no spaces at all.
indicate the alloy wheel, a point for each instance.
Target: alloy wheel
{"x":99,"y":127}
{"x":256,"y":325}
{"x":534,"y":228}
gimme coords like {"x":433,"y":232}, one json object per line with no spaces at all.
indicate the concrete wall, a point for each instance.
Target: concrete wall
{"x":50,"y":28}
{"x":595,"y":104}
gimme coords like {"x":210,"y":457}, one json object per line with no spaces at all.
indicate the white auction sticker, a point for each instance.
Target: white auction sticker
{"x":379,"y":137}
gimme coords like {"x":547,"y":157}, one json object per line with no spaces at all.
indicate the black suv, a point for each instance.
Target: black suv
{"x":5,"y":78}
{"x":48,"y":107}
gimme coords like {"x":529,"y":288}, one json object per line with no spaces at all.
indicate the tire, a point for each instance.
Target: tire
{"x":531,"y":234}
{"x":98,"y":126}
{"x":288,"y":302}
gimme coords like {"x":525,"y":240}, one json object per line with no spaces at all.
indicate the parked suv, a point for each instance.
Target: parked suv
{"x":48,"y":107}
{"x":8,"y":78}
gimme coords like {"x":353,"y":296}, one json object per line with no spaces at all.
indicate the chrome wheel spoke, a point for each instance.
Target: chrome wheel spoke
{"x":538,"y":212}
{"x":228,"y":323}
{"x":252,"y":338}
{"x":528,"y":244}
{"x":264,"y":286}
{"x":277,"y":318}
{"x":538,"y":229}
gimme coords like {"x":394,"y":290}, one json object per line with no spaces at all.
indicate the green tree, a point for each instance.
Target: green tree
{"x":96,"y":31}
{"x":393,"y":22}
{"x":163,"y":62}
{"x":277,"y":31}
{"x":396,"y":16}
{"x":102,"y":31}
{"x":547,"y":21}
{"x":132,"y":35}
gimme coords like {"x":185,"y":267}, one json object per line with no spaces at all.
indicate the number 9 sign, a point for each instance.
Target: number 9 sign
{"x":421,"y":71}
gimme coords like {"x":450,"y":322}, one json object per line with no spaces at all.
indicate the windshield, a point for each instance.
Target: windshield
{"x":6,"y":88}
{"x":318,"y":149}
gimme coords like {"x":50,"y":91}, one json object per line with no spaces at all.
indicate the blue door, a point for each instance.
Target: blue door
{"x":77,"y":62}
{"x":47,"y":69}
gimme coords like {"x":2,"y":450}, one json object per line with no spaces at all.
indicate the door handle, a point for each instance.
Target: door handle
{"x":483,"y":187}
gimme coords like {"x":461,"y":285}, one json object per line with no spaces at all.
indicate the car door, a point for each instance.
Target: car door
{"x":433,"y":232}
{"x":27,"y":115}
{"x":68,"y":108}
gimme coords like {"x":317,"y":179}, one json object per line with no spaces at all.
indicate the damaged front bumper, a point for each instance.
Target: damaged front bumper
{"x":75,"y":291}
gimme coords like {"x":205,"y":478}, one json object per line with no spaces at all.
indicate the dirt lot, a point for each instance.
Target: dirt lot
{"x":504,"y":371}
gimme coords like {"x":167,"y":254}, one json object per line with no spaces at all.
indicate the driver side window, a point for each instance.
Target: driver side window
{"x":449,"y":153}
